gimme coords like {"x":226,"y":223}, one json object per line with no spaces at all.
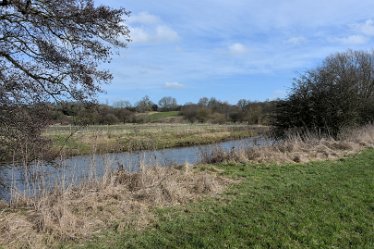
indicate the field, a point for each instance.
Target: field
{"x":161,"y":117}
{"x":75,"y":140}
{"x":316,"y":205}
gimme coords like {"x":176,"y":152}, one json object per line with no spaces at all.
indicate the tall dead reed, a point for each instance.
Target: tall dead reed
{"x":118,"y":200}
{"x":298,"y":149}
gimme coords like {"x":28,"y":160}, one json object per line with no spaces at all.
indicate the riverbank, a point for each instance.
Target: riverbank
{"x":72,"y":141}
{"x":118,"y":201}
{"x":128,"y":210}
{"x":316,"y":205}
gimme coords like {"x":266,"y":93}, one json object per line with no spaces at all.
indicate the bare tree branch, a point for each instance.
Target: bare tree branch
{"x":51,"y":51}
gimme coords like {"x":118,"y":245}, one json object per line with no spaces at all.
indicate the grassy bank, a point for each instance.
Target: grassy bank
{"x":116,"y":138}
{"x":326,"y":204}
{"x":253,"y":198}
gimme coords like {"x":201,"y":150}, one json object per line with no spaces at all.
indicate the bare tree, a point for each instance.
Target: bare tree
{"x":53,"y":47}
{"x":242,"y":104}
{"x":168,"y":104}
{"x":122,"y":104}
{"x":51,"y":50}
{"x":144,"y":105}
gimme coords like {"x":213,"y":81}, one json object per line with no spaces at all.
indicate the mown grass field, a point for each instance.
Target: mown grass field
{"x":316,"y":205}
{"x":131,"y":137}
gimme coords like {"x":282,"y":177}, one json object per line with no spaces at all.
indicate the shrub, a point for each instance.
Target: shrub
{"x":338,"y":94}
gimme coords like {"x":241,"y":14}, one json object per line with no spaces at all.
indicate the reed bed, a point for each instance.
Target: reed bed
{"x":298,"y":148}
{"x":119,"y":201}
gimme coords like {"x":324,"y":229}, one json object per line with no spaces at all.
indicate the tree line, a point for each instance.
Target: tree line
{"x":206,"y":110}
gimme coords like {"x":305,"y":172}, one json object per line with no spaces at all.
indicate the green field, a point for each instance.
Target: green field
{"x":75,"y":140}
{"x":160,"y":116}
{"x":316,"y":205}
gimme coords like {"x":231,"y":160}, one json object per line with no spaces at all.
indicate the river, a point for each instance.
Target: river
{"x":42,"y":175}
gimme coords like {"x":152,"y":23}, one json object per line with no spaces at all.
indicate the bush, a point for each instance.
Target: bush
{"x":338,"y":94}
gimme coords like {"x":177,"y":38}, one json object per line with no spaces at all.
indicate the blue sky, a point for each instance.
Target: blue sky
{"x":230,"y":49}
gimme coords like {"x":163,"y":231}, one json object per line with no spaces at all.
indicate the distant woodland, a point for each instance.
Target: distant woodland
{"x":206,"y":110}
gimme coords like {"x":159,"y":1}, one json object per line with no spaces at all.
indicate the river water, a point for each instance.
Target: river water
{"x":42,"y":175}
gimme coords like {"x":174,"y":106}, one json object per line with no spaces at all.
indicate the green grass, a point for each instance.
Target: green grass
{"x":159,"y":116}
{"x":316,"y":205}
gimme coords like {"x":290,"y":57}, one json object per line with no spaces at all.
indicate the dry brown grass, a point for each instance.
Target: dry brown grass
{"x":132,"y":137}
{"x":297,"y":149}
{"x":120,"y":200}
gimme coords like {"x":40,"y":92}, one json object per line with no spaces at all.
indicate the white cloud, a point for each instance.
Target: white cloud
{"x":361,"y":34}
{"x":144,"y":18}
{"x":173,"y":85}
{"x":139,"y":35}
{"x":148,"y":28}
{"x":297,"y":40}
{"x":158,"y":34}
{"x":263,"y":28}
{"x":238,"y":49}
{"x":351,"y":40}
{"x":165,"y":33}
{"x":366,"y":28}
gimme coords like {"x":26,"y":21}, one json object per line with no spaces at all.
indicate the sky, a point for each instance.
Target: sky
{"x":230,"y":49}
